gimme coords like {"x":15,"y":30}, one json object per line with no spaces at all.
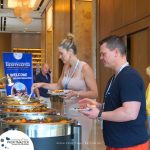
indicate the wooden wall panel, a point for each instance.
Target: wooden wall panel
{"x":133,"y":27}
{"x":5,"y":46}
{"x":122,"y":12}
{"x":49,"y":49}
{"x":82,"y":29}
{"x":104,"y":28}
{"x":148,"y":7}
{"x":129,"y":11}
{"x":129,"y":18}
{"x":61,"y":26}
{"x":117,"y":17}
{"x":97,"y":47}
{"x":26,"y":40}
{"x":43,"y":33}
{"x":142,"y":8}
{"x":105,"y":74}
{"x":49,"y":35}
{"x":106,"y":9}
{"x":139,"y":51}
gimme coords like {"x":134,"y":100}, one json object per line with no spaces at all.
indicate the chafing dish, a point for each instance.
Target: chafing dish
{"x":18,"y":100}
{"x":33,"y":111}
{"x":62,"y":133}
{"x":36,"y":126}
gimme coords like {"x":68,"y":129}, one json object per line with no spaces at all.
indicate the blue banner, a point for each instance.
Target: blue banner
{"x":19,"y":67}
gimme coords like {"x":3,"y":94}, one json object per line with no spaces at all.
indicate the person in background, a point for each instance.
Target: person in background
{"x":78,"y":77}
{"x":124,"y":109}
{"x":42,"y":93}
{"x":148,"y":99}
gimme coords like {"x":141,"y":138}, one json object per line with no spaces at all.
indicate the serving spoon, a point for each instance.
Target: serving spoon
{"x":30,"y":94}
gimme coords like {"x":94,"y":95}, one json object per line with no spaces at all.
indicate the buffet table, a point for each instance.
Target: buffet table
{"x":44,"y":126}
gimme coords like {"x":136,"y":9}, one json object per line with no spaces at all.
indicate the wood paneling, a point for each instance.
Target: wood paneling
{"x":142,"y":8}
{"x":139,"y":51}
{"x":43,"y":33}
{"x":97,"y":47}
{"x":49,"y":49}
{"x":26,"y":40}
{"x":5,"y":46}
{"x":105,"y":74}
{"x":116,"y":14}
{"x":129,"y":11}
{"x":129,"y":18}
{"x":104,"y":28}
{"x":117,"y":17}
{"x":106,"y":9}
{"x":133,"y":27}
{"x":61,"y":26}
{"x":82,"y":29}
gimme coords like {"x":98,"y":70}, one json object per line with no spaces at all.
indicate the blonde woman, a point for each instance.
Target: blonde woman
{"x":78,"y":77}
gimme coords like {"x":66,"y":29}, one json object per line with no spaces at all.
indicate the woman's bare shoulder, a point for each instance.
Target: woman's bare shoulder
{"x":86,"y":67}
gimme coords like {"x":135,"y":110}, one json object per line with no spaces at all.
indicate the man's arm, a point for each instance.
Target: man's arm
{"x":129,"y":111}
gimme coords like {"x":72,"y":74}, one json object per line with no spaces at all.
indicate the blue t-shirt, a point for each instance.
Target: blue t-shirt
{"x":127,"y":86}
{"x":41,"y":78}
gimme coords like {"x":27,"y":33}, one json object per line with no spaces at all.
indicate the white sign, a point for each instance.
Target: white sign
{"x":15,"y":140}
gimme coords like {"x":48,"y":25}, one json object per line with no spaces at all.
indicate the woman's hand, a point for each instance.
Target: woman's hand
{"x":70,"y":94}
{"x":36,"y":85}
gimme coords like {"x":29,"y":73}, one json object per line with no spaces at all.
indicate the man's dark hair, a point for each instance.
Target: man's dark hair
{"x":113,"y":42}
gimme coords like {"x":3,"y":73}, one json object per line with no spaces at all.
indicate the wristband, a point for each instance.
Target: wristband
{"x":100,"y":111}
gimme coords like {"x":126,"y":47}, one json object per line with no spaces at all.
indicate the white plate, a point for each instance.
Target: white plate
{"x":81,"y":109}
{"x":58,"y":93}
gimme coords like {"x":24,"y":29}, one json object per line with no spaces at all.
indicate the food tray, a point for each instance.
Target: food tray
{"x":58,"y":92}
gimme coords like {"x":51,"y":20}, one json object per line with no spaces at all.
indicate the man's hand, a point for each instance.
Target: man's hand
{"x":84,"y":102}
{"x":93,"y":105}
{"x":92,"y":113}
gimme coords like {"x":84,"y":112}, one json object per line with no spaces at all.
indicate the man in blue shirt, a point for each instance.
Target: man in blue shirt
{"x":43,"y":76}
{"x":124,"y":109}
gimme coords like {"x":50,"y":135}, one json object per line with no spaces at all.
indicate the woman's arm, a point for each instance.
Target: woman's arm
{"x":90,"y":81}
{"x":50,"y":86}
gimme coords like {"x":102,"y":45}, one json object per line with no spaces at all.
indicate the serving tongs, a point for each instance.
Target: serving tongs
{"x":30,"y":95}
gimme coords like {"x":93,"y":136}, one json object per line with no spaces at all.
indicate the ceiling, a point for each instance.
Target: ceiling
{"x":10,"y":24}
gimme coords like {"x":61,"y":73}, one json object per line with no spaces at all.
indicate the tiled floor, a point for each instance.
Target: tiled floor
{"x":96,"y":139}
